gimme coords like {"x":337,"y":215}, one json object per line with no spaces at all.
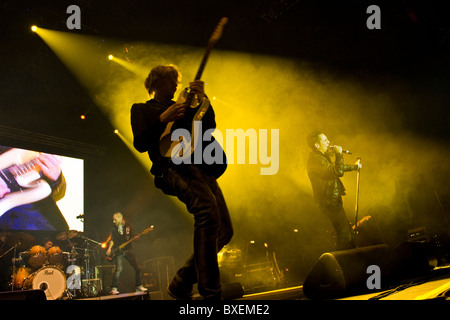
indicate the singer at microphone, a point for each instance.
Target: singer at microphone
{"x":328,"y":189}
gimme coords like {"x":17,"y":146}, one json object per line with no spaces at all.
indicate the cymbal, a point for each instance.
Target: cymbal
{"x":22,"y":239}
{"x":66,"y":235}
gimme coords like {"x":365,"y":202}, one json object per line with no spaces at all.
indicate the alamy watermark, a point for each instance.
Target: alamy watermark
{"x":374,"y":20}
{"x":258,"y":146}
{"x":374,"y":280}
{"x":74,"y":20}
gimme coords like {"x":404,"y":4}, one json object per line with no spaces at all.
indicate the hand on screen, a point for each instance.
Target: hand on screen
{"x":3,"y":188}
{"x":50,"y":165}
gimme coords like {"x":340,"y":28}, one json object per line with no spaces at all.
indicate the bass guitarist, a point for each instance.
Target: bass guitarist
{"x":121,"y":233}
{"x":195,"y":185}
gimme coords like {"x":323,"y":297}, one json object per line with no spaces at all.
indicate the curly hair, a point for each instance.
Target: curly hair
{"x":158,"y":73}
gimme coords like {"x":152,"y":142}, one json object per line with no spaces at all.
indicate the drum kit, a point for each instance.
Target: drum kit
{"x":41,"y":268}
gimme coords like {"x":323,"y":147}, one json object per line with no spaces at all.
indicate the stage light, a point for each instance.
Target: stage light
{"x":110,"y":57}
{"x":33,"y":28}
{"x":82,"y":117}
{"x":116,"y":131}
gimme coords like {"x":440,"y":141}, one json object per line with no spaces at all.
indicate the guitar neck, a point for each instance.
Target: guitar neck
{"x":198,"y":76}
{"x":19,"y":169}
{"x":123,"y":245}
{"x":215,"y":36}
{"x":203,"y":63}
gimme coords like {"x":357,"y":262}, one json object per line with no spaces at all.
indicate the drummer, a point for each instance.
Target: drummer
{"x":54,"y":253}
{"x":47,"y":244}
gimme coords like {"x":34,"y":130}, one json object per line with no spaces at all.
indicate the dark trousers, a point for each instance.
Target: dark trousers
{"x":212,"y":228}
{"x":130,"y":256}
{"x":338,"y":218}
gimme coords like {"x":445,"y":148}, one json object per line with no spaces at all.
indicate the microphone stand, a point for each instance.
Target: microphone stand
{"x":358,"y":173}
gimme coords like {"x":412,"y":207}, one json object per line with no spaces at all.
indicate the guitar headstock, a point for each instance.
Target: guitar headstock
{"x":218,"y":31}
{"x":148,"y":230}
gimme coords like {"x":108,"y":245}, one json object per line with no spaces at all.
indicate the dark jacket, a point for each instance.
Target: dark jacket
{"x":325,"y":177}
{"x":127,"y":234}
{"x":147,"y":130}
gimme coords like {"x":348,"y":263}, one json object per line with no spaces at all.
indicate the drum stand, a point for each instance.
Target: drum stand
{"x":14,"y":247}
{"x":90,"y":291}
{"x":72,"y":257}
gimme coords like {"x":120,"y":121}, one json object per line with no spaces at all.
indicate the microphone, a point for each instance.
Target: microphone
{"x":343,"y":150}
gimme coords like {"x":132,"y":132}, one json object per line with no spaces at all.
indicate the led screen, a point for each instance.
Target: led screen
{"x":40,"y":191}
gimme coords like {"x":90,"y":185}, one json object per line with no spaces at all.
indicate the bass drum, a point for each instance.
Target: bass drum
{"x":50,"y":279}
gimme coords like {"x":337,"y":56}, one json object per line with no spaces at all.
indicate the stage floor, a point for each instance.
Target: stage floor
{"x":435,"y":286}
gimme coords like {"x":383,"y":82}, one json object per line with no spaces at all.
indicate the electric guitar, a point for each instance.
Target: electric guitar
{"x":22,"y":175}
{"x":187,"y":146}
{"x":116,"y":251}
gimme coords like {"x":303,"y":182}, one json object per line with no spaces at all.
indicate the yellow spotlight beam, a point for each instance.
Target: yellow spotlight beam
{"x":80,"y":53}
{"x":143,"y":159}
{"x":141,"y":156}
{"x":137,"y":69}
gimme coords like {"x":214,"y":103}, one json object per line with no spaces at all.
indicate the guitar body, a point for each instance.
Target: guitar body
{"x":169,"y":148}
{"x":189,"y":147}
{"x":114,"y":253}
{"x":23,"y":178}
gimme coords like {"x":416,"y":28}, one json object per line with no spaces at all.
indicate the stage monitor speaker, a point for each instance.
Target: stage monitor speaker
{"x":158,"y":274}
{"x":412,"y":259}
{"x":342,"y":273}
{"x":105,"y":275}
{"x":36,"y":295}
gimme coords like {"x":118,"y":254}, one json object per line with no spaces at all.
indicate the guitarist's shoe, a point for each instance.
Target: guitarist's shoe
{"x":114,"y":291}
{"x":141,"y":288}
